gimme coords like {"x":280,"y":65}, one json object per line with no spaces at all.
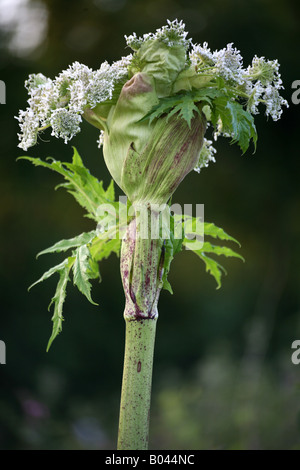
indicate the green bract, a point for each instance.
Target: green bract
{"x":161,"y":62}
{"x":148,"y":160}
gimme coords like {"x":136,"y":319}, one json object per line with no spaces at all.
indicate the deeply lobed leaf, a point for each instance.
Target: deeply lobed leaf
{"x":86,"y":189}
{"x":234,"y":121}
{"x":88,"y":248}
{"x":58,"y":300}
{"x":64,"y":245}
{"x":212,"y":266}
{"x":190,"y":225}
{"x":226,"y":114}
{"x":82,"y":269}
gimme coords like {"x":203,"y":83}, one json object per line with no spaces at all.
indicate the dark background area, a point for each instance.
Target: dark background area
{"x":223,"y":376}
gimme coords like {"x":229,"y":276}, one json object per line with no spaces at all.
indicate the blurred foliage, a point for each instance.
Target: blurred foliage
{"x":223,"y":377}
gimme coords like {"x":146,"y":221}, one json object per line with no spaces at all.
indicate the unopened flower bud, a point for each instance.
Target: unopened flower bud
{"x":149,"y":160}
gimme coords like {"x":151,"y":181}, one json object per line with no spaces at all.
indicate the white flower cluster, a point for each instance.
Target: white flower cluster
{"x":64,"y":123}
{"x":201,"y":55}
{"x":226,"y":63}
{"x":206,"y":155}
{"x":263,"y":82}
{"x":60,"y":103}
{"x":259,"y":83}
{"x":173,"y":34}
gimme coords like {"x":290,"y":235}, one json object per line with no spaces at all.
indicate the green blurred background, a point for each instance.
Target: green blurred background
{"x":223,"y":376}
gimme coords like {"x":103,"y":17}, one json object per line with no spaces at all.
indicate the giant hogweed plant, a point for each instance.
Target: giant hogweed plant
{"x":155,"y":110}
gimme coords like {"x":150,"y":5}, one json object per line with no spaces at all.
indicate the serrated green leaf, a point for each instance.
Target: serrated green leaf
{"x":243,"y":126}
{"x":163,"y":107}
{"x":94,"y":272}
{"x":49,"y":273}
{"x":214,"y":268}
{"x":217,"y":250}
{"x":236,"y":122}
{"x":102,"y":248}
{"x":212,"y":230}
{"x":90,"y":247}
{"x":207,"y":94}
{"x":186,"y":109}
{"x":167,"y":257}
{"x":85,"y":188}
{"x":64,"y":245}
{"x":82,"y":271}
{"x":167,"y":286}
{"x":58,"y":300}
{"x":110,"y":192}
{"x":184,"y":104}
{"x":76,"y":159}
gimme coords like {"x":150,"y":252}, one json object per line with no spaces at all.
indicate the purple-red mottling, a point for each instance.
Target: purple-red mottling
{"x":140,"y":276}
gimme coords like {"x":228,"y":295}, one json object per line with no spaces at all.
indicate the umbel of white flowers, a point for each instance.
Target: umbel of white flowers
{"x":77,"y":92}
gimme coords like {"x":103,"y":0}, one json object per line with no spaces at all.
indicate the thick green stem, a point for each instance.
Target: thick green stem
{"x":136,"y":386}
{"x":142,"y":260}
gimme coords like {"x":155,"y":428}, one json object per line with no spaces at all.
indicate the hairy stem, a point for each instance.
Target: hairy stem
{"x":136,"y":386}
